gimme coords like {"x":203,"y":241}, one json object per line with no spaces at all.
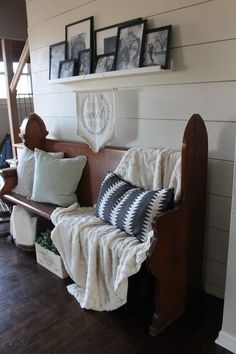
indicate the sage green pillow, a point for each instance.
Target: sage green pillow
{"x":56,"y":180}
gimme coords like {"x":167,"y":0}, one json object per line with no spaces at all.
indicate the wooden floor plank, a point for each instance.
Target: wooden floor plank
{"x":38,"y":315}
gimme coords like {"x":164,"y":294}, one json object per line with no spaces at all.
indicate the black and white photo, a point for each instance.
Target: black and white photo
{"x":57,"y":53}
{"x":84,"y":62}
{"x":67,"y":68}
{"x":129,"y":46}
{"x":157,"y":46}
{"x":79,"y":37}
{"x":104,"y":63}
{"x":105,"y":38}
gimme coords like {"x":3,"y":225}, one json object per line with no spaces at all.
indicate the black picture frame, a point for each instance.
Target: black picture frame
{"x":85,"y":62}
{"x":105,"y":38}
{"x":67,"y":68}
{"x":105,"y":63}
{"x":57,"y":53}
{"x":157,"y":47}
{"x":79,"y":36}
{"x":129,"y":45}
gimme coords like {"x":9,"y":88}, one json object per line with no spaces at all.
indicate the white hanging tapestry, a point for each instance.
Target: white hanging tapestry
{"x":96,"y":118}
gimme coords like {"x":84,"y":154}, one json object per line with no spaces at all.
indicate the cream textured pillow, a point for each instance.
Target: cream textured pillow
{"x":56,"y":180}
{"x":25,"y":172}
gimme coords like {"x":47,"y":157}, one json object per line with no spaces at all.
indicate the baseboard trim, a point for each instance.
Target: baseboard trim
{"x":213,"y":290}
{"x":226,"y":341}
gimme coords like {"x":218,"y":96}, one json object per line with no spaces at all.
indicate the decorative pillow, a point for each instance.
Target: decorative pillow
{"x":25,"y":172}
{"x":130,"y":208}
{"x":56,"y":180}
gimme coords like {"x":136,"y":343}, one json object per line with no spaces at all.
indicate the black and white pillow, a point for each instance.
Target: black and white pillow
{"x":130,"y":208}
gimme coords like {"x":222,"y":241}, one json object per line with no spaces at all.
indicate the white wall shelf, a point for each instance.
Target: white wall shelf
{"x":110,"y":74}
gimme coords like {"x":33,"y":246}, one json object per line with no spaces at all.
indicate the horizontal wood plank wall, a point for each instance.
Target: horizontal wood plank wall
{"x":153,"y":109}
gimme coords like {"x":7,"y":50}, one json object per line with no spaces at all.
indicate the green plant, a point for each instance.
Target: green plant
{"x":45,"y":241}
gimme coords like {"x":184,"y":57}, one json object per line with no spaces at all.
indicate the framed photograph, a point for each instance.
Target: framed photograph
{"x":79,"y":37}
{"x":84,"y":62}
{"x":129,"y":45}
{"x":67,"y":68}
{"x":105,"y":63}
{"x":105,"y":38}
{"x":57,"y":53}
{"x":157,"y":47}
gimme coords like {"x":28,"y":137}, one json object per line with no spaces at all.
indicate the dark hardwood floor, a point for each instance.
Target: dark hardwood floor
{"x":38,"y":315}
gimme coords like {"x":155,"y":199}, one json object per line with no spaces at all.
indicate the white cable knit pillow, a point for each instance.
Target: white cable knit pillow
{"x":25,"y":172}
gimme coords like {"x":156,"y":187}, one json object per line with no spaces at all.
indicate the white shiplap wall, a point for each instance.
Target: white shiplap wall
{"x":152,"y":110}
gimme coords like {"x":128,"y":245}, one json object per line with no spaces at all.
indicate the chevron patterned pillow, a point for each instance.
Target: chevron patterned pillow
{"x":130,"y":208}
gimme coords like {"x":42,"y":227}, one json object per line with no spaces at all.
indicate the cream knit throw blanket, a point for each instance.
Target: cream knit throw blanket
{"x":98,"y":257}
{"x":152,"y":169}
